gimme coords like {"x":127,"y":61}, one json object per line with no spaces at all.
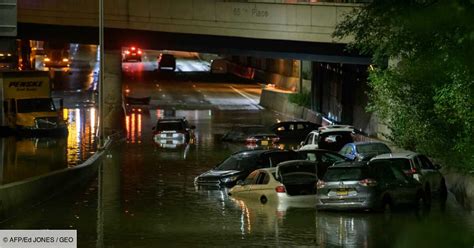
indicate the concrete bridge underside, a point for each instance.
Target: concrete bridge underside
{"x":261,"y":29}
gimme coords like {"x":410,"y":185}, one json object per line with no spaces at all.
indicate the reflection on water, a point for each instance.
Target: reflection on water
{"x":23,"y":158}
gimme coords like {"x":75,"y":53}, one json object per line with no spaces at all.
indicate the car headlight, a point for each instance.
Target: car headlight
{"x":229,"y":179}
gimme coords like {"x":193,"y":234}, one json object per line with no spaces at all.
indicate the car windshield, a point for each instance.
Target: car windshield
{"x":320,"y":157}
{"x":239,"y":163}
{"x":163,"y":126}
{"x":344,"y":174}
{"x":35,"y":105}
{"x":377,"y":148}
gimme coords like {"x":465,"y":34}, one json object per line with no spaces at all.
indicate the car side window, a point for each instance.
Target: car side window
{"x":263,"y":178}
{"x":400,"y":177}
{"x":309,"y":139}
{"x":251,"y":178}
{"x":426,"y":163}
{"x":346,"y":150}
{"x":301,"y":126}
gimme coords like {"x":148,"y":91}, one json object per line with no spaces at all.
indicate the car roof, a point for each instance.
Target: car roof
{"x":259,"y":151}
{"x":407,"y":155}
{"x":348,"y":164}
{"x":366,"y":143}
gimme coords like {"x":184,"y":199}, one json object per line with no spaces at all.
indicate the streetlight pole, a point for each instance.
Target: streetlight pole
{"x":101,"y":74}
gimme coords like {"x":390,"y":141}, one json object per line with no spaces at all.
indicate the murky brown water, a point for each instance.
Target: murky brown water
{"x":148,"y":199}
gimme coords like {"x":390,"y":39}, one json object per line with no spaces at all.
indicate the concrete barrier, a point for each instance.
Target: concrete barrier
{"x":19,"y":195}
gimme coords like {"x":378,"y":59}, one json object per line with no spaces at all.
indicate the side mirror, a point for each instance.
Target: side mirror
{"x":240,"y":182}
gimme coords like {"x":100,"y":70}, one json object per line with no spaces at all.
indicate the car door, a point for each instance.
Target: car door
{"x":244,"y":188}
{"x":260,"y":186}
{"x":430,"y":173}
{"x":406,"y":187}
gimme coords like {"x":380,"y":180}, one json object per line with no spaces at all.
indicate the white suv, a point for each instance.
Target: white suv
{"x":332,"y":137}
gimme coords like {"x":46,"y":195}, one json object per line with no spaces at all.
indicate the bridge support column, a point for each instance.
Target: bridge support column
{"x":114,"y":115}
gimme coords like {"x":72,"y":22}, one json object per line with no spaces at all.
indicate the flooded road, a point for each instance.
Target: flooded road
{"x":144,"y":195}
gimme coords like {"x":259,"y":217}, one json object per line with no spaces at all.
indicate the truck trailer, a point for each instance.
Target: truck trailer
{"x":27,"y":106}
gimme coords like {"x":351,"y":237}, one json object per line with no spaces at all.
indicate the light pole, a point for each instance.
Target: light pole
{"x":101,"y":74}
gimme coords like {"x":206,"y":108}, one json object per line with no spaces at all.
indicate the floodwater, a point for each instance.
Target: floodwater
{"x":144,"y":196}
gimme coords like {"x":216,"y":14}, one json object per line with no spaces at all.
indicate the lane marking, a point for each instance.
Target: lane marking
{"x":247,"y":97}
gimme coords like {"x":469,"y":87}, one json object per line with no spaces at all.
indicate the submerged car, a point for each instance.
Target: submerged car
{"x":288,"y":181}
{"x":261,"y":140}
{"x":376,"y":185}
{"x":364,"y":150}
{"x":240,"y":164}
{"x":294,"y":130}
{"x":332,"y":138}
{"x":172,"y":132}
{"x":419,"y":167}
{"x":166,"y":62}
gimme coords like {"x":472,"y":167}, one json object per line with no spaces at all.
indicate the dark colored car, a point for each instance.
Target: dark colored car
{"x":240,"y":164}
{"x":294,"y":130}
{"x":419,"y":167}
{"x":262,"y":140}
{"x":132,"y":54}
{"x":364,"y":150}
{"x":166,"y":62}
{"x":324,"y":158}
{"x":172,"y":132}
{"x":374,"y":185}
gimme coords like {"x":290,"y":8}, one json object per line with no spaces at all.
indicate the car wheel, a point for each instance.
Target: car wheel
{"x":263,"y":199}
{"x":443,"y":190}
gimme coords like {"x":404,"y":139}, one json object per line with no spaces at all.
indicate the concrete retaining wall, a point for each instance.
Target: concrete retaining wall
{"x":462,"y":186}
{"x":26,"y":193}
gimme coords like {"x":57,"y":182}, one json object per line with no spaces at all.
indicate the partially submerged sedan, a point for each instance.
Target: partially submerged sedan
{"x":290,"y":181}
{"x":240,"y":164}
{"x":377,"y":185}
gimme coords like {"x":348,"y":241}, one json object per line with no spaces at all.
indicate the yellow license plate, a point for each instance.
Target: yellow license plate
{"x":264,"y":142}
{"x":342,"y":192}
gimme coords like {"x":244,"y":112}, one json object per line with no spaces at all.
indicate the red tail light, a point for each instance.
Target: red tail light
{"x":251,"y":140}
{"x":139,"y":52}
{"x":127,"y":52}
{"x":368,"y":182}
{"x":280,"y":189}
{"x":133,"y":48}
{"x":320,"y":184}
{"x":411,"y":172}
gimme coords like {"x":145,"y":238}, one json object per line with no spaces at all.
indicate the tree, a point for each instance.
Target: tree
{"x":426,"y":97}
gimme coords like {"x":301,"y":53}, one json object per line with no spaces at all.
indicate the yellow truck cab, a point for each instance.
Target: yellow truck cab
{"x":28,"y":108}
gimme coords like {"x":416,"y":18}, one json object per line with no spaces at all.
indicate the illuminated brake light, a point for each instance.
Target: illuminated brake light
{"x":280,"y":189}
{"x":127,"y":52}
{"x":320,"y":184}
{"x":139,"y":52}
{"x":133,"y":48}
{"x":251,"y":140}
{"x":368,"y":182}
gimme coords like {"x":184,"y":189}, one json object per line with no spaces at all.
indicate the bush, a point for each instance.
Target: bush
{"x":301,"y":99}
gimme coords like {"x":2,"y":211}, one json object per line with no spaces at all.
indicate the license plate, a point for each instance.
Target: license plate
{"x":342,"y":192}
{"x":264,"y":142}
